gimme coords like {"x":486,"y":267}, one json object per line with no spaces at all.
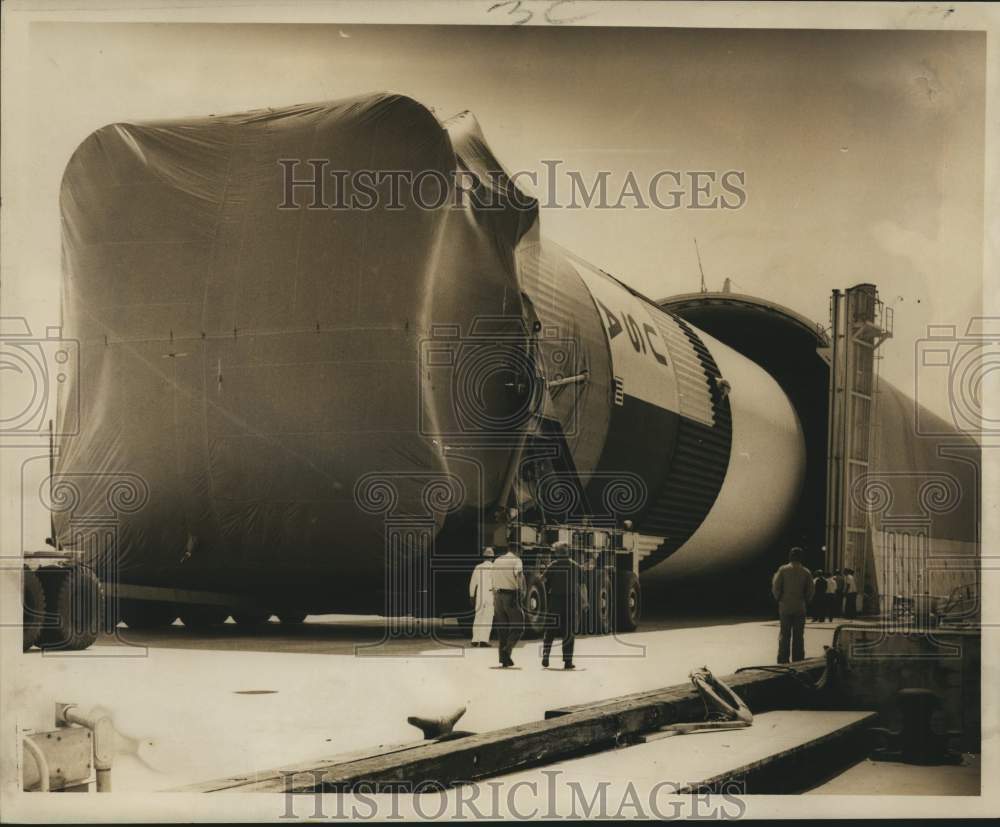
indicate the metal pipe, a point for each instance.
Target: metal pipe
{"x":40,"y":762}
{"x":569,"y":380}
{"x":104,"y":740}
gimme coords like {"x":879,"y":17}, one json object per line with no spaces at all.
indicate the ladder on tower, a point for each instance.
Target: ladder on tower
{"x":859,"y":324}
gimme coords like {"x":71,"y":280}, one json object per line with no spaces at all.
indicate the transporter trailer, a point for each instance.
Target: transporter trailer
{"x":66,"y":605}
{"x":610,"y":561}
{"x":63,"y":601}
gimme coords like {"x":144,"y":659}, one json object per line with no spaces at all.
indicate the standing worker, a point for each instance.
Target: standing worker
{"x":792,"y":587}
{"x":832,"y":598}
{"x":819,"y":597}
{"x":850,"y":594}
{"x":562,"y":584}
{"x":838,"y":605}
{"x":508,"y":591}
{"x":584,"y":616}
{"x":481,"y":595}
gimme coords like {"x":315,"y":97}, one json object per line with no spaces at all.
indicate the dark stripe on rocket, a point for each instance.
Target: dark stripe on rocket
{"x":698,"y":468}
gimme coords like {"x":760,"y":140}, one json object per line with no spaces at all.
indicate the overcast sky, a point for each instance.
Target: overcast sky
{"x":863,"y":151}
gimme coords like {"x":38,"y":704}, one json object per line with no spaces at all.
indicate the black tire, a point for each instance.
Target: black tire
{"x":34,"y":609}
{"x":629,"y":597}
{"x":202,"y":616}
{"x":147,"y":614}
{"x":292,"y":618}
{"x":252,"y":619}
{"x":602,"y":605}
{"x":536,"y":606}
{"x":74,"y":610}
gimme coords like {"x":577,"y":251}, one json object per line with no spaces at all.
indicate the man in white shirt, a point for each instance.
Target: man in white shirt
{"x":508,"y":591}
{"x":831,"y":597}
{"x":850,"y":594}
{"x":481,"y":595}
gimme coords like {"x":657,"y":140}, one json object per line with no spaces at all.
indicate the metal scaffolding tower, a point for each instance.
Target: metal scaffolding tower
{"x":859,"y":324}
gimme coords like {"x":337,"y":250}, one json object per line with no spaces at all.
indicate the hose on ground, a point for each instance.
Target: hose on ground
{"x":821,"y":682}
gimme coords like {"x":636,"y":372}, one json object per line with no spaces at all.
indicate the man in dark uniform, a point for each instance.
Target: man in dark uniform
{"x":562,"y":586}
{"x":838,"y":600}
{"x":850,"y":594}
{"x":819,"y":596}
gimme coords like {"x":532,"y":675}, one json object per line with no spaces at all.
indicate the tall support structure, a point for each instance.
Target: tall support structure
{"x":859,"y":323}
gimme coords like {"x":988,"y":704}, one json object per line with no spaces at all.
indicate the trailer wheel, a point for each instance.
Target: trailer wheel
{"x":602,"y":605}
{"x":292,"y":618}
{"x":147,"y":614}
{"x":203,"y":616}
{"x":535,"y":606}
{"x":34,"y":609}
{"x":629,"y":602}
{"x":73,"y":599}
{"x":250,"y":619}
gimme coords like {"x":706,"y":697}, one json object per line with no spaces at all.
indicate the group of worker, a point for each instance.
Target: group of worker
{"x":835,"y":594}
{"x":497,"y":592}
{"x":797,"y":589}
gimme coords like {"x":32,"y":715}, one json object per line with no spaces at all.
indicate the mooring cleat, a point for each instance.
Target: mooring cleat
{"x":436,"y":727}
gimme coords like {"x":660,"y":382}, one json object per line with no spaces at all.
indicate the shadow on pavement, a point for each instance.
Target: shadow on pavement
{"x":342,"y":635}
